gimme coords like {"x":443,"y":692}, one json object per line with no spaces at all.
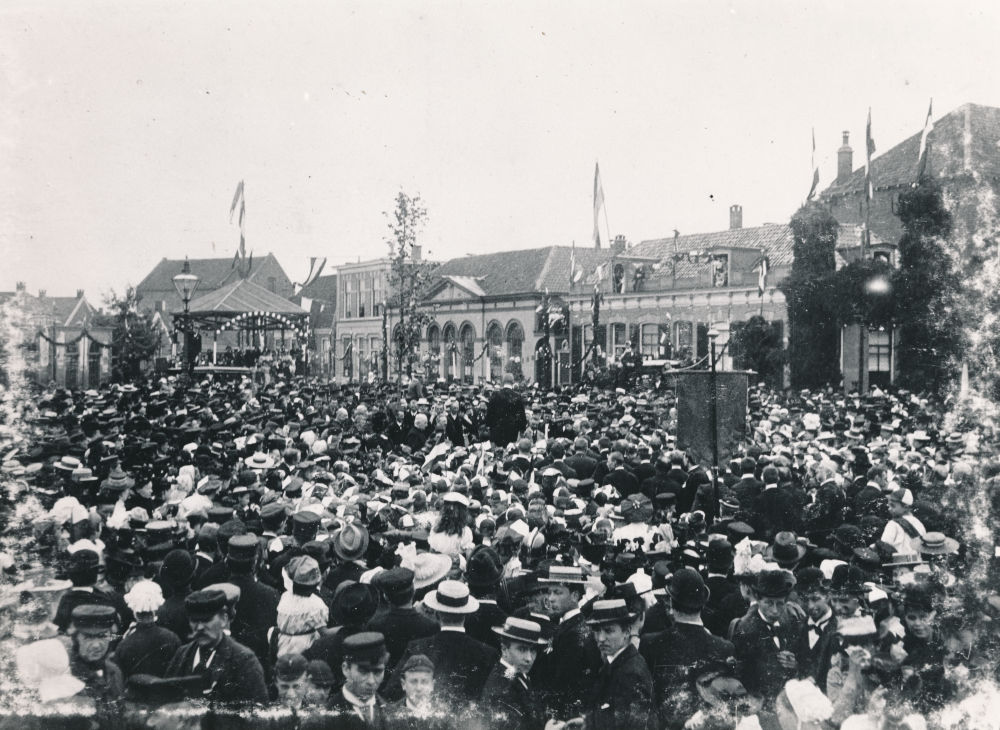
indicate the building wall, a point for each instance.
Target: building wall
{"x":361,"y":288}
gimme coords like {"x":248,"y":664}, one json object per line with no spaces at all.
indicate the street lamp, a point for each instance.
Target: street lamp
{"x":186,"y":285}
{"x":713,"y":335}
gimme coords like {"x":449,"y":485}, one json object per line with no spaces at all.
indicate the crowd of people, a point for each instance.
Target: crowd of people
{"x":371,"y":557}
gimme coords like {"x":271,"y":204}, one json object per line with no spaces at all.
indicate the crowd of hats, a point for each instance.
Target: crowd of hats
{"x":135,"y":478}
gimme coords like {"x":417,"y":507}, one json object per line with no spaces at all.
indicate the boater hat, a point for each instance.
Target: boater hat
{"x":526,"y":632}
{"x":452,"y":597}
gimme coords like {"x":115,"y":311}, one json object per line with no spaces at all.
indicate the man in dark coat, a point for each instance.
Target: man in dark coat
{"x":461,"y":663}
{"x":357,"y":704}
{"x":231,"y":673}
{"x":720,"y":583}
{"x":401,"y":623}
{"x":417,"y":436}
{"x":483,"y":573}
{"x":623,"y":697}
{"x":176,"y":574}
{"x":774,"y":510}
{"x":619,"y":477}
{"x":507,"y":698}
{"x":147,"y":648}
{"x":673,"y":653}
{"x":83,"y":569}
{"x":505,"y":415}
{"x":771,"y":642}
{"x":580,"y":462}
{"x":257,"y":610}
{"x":90,"y":659}
{"x":821,"y":623}
{"x":558,"y":453}
{"x":572,"y":666}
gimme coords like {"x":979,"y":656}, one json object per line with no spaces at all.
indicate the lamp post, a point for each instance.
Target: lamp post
{"x":186,"y":285}
{"x":713,"y":335}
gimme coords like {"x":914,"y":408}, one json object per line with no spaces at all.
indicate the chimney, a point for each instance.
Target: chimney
{"x":21,"y":287}
{"x":79,"y":293}
{"x":41,"y":294}
{"x":735,"y":217}
{"x":618,"y":246}
{"x":845,"y":162}
{"x":415,"y":252}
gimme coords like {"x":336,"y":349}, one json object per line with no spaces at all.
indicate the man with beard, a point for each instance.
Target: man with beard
{"x":91,"y":660}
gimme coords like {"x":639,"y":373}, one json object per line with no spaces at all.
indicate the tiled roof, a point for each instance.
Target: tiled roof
{"x":952,"y":152}
{"x":243,"y":296}
{"x":522,"y":271}
{"x":212,"y":272}
{"x":324,"y":288}
{"x":776,"y":240}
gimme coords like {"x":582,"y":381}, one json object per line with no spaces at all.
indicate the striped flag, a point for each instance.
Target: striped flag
{"x":815,"y":183}
{"x":598,"y":203}
{"x":924,"y":143}
{"x":762,"y":267}
{"x":572,"y":264}
{"x":315,"y":267}
{"x":239,"y":200}
{"x":870,"y":150}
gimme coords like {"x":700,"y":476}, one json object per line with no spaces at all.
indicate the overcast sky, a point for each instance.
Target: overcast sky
{"x":126,"y":126}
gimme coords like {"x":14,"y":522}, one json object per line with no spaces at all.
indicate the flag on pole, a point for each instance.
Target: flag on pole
{"x":598,"y":203}
{"x":315,"y":267}
{"x":762,"y":267}
{"x":924,"y":148}
{"x":870,"y":150}
{"x":307,"y":304}
{"x":572,"y":264}
{"x":239,"y":200}
{"x":815,"y":183}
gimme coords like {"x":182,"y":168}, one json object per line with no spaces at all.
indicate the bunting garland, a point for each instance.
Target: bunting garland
{"x":84,"y":333}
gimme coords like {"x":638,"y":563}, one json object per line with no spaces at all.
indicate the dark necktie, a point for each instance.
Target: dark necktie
{"x":815,"y":629}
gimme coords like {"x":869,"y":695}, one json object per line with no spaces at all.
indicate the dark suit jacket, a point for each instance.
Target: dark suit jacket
{"x":480,"y":624}
{"x":173,"y":615}
{"x":508,"y":704}
{"x":583,"y":465}
{"x":147,"y":650}
{"x":756,"y":652}
{"x":345,"y":716}
{"x":235,"y":673}
{"x":397,"y":432}
{"x":774,"y":511}
{"x":505,"y":416}
{"x":623,"y":480}
{"x":77,"y":597}
{"x":671,"y":655}
{"x":400,"y":626}
{"x":818,"y":658}
{"x":571,"y":667}
{"x":461,"y":666}
{"x":416,"y":439}
{"x":712,"y":614}
{"x":623,"y":696}
{"x":643,"y":471}
{"x":256,"y":613}
{"x":456,"y":429}
{"x":565,"y":469}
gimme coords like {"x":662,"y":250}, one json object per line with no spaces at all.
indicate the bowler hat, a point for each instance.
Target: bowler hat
{"x":178,"y":568}
{"x":847,"y":579}
{"x":687,"y":590}
{"x":719,"y":555}
{"x":290,"y":667}
{"x":484,"y":568}
{"x":355,"y":603}
{"x":809,"y":580}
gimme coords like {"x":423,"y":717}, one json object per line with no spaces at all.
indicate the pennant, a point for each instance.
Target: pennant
{"x":924,"y":148}
{"x":572,"y":264}
{"x":815,"y":183}
{"x":240,"y":200}
{"x":315,"y":267}
{"x":870,"y":150}
{"x":598,"y":203}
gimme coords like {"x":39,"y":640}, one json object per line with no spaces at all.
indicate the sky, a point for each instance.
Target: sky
{"x":125,"y":127}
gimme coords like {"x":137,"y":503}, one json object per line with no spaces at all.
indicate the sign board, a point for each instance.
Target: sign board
{"x":694,"y":413}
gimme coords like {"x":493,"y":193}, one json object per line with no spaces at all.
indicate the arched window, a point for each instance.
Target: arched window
{"x":468,"y":352}
{"x":449,"y":352}
{"x":515,"y":343}
{"x":494,"y":338}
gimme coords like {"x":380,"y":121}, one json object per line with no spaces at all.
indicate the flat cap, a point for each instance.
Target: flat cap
{"x":203,"y":605}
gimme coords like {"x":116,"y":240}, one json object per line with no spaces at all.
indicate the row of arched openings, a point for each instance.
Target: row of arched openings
{"x":453,"y":355}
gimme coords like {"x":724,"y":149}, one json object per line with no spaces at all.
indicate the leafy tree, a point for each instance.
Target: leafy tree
{"x":757,"y":346}
{"x":927,"y":285}
{"x":813,"y":333}
{"x":135,"y":339}
{"x":408,"y":278}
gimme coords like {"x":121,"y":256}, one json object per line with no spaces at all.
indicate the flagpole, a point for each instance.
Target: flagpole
{"x":607,"y":227}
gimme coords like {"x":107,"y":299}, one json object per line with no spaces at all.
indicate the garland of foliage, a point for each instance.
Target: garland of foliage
{"x":83,"y":334}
